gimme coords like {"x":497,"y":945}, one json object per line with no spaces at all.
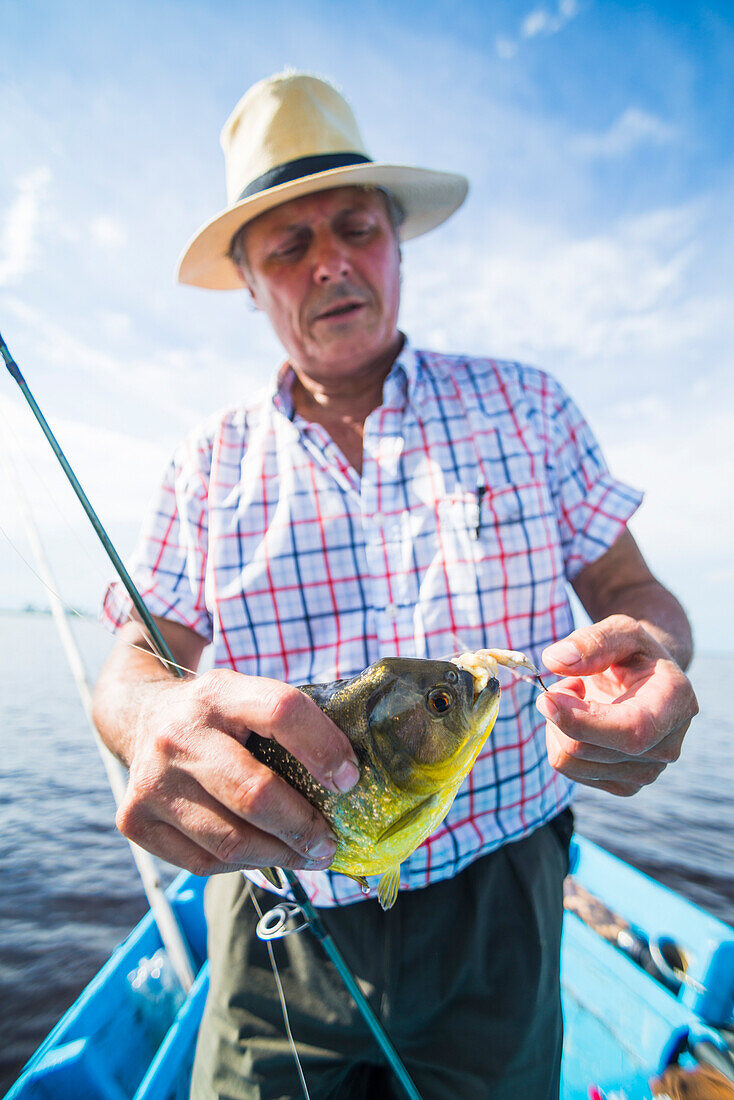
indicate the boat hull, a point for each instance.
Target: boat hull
{"x":123,"y":1043}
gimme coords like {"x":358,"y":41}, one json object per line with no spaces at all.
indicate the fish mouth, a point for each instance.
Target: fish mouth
{"x":481,"y":695}
{"x":486,"y":703}
{"x":482,"y":708}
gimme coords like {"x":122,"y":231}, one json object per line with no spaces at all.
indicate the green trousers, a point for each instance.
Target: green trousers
{"x":464,"y":975}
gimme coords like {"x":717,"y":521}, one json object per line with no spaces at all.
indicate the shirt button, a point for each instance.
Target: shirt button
{"x":391,"y":611}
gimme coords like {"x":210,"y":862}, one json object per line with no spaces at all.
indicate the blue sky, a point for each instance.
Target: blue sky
{"x":596,"y":243}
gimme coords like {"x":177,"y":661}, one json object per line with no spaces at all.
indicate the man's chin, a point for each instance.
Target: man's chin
{"x":350,"y":352}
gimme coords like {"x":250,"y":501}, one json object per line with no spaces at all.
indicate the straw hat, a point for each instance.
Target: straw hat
{"x":290,"y":135}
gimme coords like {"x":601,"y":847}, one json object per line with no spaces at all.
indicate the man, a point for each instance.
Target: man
{"x":379,"y":500}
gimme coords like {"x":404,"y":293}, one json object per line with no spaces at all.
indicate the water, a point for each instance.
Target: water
{"x":70,"y":891}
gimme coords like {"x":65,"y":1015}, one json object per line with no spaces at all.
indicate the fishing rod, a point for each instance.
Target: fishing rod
{"x":164,"y":654}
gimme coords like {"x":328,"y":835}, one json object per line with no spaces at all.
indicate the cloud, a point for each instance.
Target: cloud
{"x":539,"y":21}
{"x":107,"y":232}
{"x":17,"y":242}
{"x":618,"y":296}
{"x":680,"y":456}
{"x":116,"y":469}
{"x":506,"y":47}
{"x":115,"y":324}
{"x":542,"y":21}
{"x":161,"y":389}
{"x":634,"y":128}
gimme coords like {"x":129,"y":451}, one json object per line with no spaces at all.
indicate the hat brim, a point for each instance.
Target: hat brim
{"x":427,"y":198}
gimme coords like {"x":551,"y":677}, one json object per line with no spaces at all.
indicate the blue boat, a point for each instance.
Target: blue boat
{"x":132,"y":1032}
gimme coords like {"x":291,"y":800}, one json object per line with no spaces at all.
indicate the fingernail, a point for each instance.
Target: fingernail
{"x":322,"y":849}
{"x":346,"y":776}
{"x":547,"y":707}
{"x":565,"y":652}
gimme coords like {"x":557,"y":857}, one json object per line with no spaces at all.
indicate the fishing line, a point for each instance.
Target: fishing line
{"x":88,"y":619}
{"x":53,"y":498}
{"x":281,"y":994}
{"x":160,"y":645}
{"x":162,"y":650}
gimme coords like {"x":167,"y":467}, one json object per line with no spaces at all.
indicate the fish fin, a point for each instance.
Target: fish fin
{"x":273,"y":875}
{"x":387,"y":887}
{"x":408,"y":818}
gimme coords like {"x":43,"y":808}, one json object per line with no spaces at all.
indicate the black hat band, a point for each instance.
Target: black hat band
{"x":299,"y":168}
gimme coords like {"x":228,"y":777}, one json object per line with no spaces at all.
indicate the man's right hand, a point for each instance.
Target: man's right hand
{"x":196,"y":797}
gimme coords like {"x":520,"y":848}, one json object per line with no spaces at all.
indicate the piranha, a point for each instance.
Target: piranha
{"x":416,"y":727}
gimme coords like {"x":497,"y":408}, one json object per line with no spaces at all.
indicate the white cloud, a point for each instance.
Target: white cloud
{"x":107,"y":232}
{"x":505,"y":47}
{"x":536,"y":22}
{"x":118,"y":473}
{"x":116,"y":470}
{"x":162,"y":389}
{"x":116,"y":325}
{"x":17,"y":242}
{"x":543,"y":21}
{"x":680,"y":455}
{"x":117,"y":383}
{"x":539,"y":21}
{"x":616,"y":297}
{"x":633,"y":128}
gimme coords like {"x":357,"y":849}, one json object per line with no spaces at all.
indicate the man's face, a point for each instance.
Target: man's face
{"x":326,"y":270}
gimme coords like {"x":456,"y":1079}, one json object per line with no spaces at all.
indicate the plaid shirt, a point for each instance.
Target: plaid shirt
{"x":482,"y":492}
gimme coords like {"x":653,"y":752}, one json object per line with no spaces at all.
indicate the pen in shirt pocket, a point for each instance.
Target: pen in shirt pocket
{"x":480,"y":491}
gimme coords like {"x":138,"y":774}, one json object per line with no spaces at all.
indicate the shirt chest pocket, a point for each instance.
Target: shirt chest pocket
{"x":502,"y":510}
{"x":499,"y":537}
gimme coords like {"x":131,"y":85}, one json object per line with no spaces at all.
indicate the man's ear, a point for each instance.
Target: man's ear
{"x":243,"y":276}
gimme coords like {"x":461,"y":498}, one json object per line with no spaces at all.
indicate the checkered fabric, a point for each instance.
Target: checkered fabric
{"x":482,"y":492}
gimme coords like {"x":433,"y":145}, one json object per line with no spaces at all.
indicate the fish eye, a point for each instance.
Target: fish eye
{"x":440,"y":700}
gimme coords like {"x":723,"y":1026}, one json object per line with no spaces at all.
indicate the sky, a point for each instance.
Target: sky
{"x":597,"y":241}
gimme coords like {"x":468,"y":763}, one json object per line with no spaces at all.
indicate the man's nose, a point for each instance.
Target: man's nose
{"x":331,"y":262}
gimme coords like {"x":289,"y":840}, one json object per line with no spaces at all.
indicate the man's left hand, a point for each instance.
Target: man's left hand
{"x":620,"y":714}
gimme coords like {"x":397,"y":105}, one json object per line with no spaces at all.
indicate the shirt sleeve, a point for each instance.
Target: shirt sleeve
{"x":169,"y":562}
{"x":592,"y":506}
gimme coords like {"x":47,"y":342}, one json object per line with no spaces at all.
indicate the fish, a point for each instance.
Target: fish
{"x":416,"y":727}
